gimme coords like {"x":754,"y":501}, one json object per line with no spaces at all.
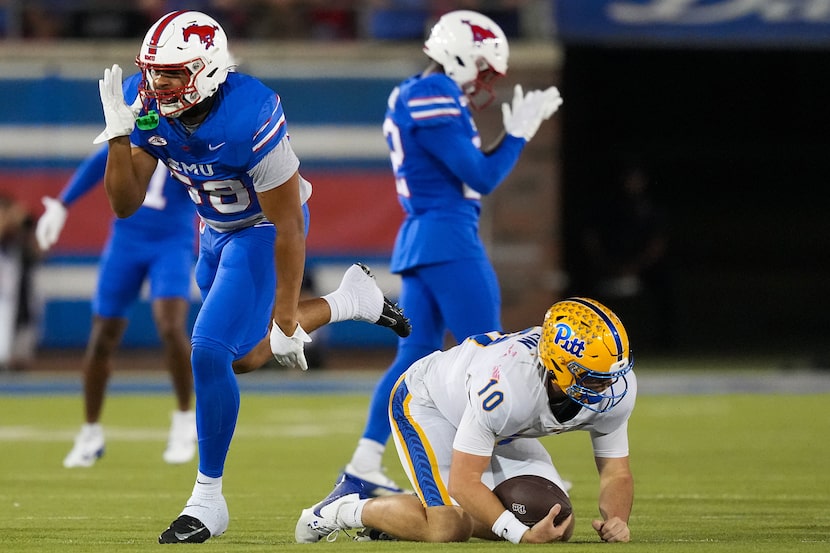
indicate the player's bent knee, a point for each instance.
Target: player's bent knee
{"x":448,"y":524}
{"x":254,"y":359}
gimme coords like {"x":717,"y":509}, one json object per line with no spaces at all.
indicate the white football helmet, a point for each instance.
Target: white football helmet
{"x":585,"y":349}
{"x":184,"y":40}
{"x":473,"y":51}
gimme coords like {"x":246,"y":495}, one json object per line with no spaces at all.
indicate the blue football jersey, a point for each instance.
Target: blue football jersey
{"x":440,"y":171}
{"x":167,"y":213}
{"x":245,"y":123}
{"x":155,"y":244}
{"x":422,"y":183}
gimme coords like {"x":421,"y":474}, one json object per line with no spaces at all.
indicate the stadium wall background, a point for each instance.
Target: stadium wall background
{"x":335,"y":100}
{"x":735,"y":138}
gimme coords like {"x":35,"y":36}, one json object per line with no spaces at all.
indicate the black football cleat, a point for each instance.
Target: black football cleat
{"x":392,"y":315}
{"x":185,"y":529}
{"x":370,"y":534}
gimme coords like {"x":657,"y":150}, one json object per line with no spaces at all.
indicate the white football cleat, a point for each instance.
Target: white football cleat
{"x":88,"y":448}
{"x":181,"y":442}
{"x":321,"y":520}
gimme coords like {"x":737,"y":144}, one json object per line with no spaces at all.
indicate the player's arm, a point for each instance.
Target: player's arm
{"x":616,"y":496}
{"x":89,"y":173}
{"x":494,"y":145}
{"x":282,"y":206}
{"x":127,"y":176}
{"x":128,"y":169}
{"x":466,"y":488}
{"x":471,"y":456}
{"x":483,"y":173}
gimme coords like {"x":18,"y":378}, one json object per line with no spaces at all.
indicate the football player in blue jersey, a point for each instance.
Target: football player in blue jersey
{"x":441,"y":173}
{"x":157,"y":244}
{"x":223,"y":135}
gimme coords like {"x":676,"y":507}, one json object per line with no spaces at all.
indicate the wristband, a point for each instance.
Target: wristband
{"x":507,"y":526}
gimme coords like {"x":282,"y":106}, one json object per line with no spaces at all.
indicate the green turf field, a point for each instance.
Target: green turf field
{"x":725,"y":473}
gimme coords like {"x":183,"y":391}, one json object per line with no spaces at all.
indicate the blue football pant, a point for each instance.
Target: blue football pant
{"x":461,"y":297}
{"x":237,"y":278}
{"x":128,"y":260}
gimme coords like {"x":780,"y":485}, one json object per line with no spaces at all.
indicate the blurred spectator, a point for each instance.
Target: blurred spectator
{"x":265,"y":19}
{"x":18,"y":308}
{"x":319,"y":20}
{"x":42,"y":20}
{"x":330,"y":20}
{"x":398,"y":19}
{"x":625,"y":244}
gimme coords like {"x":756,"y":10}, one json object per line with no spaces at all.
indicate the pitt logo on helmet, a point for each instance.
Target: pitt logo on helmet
{"x":575,"y":346}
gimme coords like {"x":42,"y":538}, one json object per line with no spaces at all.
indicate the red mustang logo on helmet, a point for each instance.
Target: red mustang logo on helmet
{"x":206,"y":33}
{"x":480,"y":34}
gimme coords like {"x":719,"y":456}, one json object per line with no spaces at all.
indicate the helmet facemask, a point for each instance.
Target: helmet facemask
{"x":479,"y":91}
{"x":172,"y":101}
{"x":598,"y":391}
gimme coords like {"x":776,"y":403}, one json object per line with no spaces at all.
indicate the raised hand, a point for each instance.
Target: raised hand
{"x":119,"y":117}
{"x":523,"y":116}
{"x":50,"y":224}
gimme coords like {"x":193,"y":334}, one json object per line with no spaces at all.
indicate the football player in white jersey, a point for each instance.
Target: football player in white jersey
{"x":223,"y":135}
{"x":466,"y":419}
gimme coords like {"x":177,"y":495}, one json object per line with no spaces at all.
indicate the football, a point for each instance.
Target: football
{"x":531,"y":497}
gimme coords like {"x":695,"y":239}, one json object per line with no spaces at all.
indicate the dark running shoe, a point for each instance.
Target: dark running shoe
{"x":392,"y":315}
{"x":185,"y":529}
{"x":370,"y":534}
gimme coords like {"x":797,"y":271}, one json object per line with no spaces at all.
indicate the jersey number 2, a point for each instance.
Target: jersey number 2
{"x":393,"y":140}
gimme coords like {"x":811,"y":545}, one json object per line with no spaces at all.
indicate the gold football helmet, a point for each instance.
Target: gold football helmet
{"x":585,"y":349}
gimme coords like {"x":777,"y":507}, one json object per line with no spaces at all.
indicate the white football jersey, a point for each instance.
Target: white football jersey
{"x":492,"y":388}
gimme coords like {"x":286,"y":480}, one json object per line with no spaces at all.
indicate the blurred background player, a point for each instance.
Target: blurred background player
{"x":19,"y":302}
{"x":468,"y":418}
{"x":224,"y":136}
{"x":155,"y":244}
{"x":441,"y":173}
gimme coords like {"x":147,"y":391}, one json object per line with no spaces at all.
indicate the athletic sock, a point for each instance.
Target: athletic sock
{"x":368,"y":456}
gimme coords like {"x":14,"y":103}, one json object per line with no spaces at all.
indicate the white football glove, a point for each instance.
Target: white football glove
{"x":50,"y":224}
{"x":119,"y":117}
{"x":523,"y":117}
{"x":288,"y":351}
